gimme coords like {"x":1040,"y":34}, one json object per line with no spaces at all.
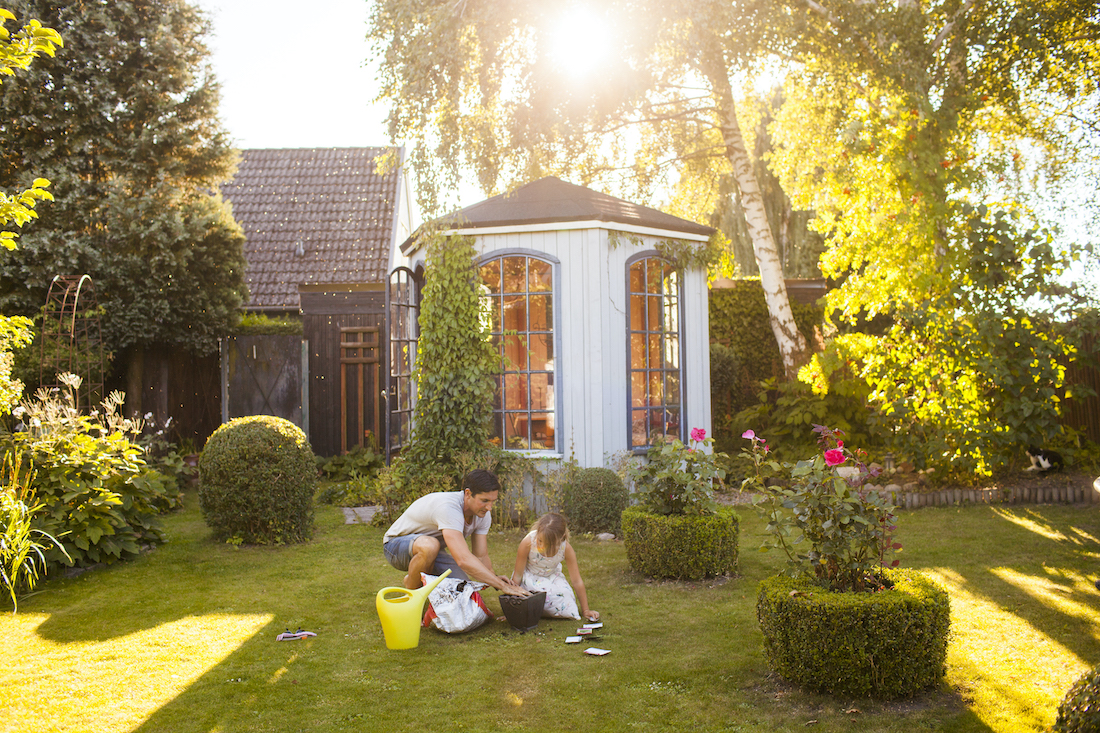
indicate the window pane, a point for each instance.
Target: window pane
{"x":655,"y":344}
{"x":656,"y":389}
{"x":514,"y":274}
{"x":515,"y":391}
{"x":637,"y":312}
{"x":493,"y":308}
{"x":515,"y":313}
{"x":637,"y":351}
{"x":542,"y":314}
{"x":542,"y":430}
{"x":655,"y":276}
{"x":497,"y":396}
{"x":542,"y":393}
{"x":538,"y":276}
{"x":542,"y":352}
{"x":637,"y":427}
{"x":515,"y":427}
{"x":490,"y":275}
{"x":672,"y":388}
{"x":515,"y":353}
{"x":638,"y":397}
{"x":672,"y":352}
{"x":653,"y":312}
{"x":637,"y":277}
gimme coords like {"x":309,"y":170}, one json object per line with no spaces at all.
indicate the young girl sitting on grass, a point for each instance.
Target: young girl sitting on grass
{"x":538,"y":567}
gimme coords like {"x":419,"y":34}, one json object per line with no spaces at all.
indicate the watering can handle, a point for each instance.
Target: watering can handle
{"x":421,"y":592}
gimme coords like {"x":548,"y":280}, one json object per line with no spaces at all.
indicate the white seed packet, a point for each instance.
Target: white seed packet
{"x":593,"y":626}
{"x":584,"y":632}
{"x":596,"y":652}
{"x":573,"y":639}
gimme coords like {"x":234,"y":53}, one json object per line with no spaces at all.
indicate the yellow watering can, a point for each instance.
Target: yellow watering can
{"x":400,"y":610}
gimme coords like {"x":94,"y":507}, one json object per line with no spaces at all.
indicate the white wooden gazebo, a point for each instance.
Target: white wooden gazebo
{"x":606,"y":346}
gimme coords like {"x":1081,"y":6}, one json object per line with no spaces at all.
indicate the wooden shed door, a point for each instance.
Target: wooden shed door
{"x":359,"y":385}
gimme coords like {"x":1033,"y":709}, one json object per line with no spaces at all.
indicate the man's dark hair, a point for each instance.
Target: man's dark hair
{"x":480,"y":481}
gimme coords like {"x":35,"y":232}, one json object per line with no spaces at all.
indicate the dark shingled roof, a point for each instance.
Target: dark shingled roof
{"x":552,"y":200}
{"x":312,"y":216}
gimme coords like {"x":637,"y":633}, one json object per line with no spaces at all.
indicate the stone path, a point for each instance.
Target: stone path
{"x":359,"y":514}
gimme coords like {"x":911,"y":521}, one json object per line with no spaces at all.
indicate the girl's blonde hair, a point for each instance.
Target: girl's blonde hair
{"x":550,"y":532}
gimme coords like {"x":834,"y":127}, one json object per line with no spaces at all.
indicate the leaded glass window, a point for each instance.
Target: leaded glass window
{"x":518,"y":293}
{"x":656,"y":389}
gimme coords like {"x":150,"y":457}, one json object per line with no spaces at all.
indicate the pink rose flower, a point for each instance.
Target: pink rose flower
{"x":748,"y":435}
{"x":834,"y":457}
{"x":698,"y":434}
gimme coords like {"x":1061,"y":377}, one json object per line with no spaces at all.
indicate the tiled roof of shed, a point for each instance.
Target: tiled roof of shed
{"x":552,"y":200}
{"x":312,"y":216}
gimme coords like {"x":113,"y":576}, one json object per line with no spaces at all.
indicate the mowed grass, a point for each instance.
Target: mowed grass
{"x":183,"y":639}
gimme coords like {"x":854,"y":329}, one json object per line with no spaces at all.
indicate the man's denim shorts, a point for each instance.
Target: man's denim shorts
{"x":398,"y":553}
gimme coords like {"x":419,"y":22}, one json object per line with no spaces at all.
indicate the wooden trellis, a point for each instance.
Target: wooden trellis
{"x":71,"y":339}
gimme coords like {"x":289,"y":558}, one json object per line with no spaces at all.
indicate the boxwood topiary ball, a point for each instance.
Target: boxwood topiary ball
{"x":1079,"y":711}
{"x":258,"y":475}
{"x":595,"y":500}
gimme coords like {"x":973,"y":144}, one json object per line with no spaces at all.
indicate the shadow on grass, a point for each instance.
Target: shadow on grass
{"x":684,"y":655}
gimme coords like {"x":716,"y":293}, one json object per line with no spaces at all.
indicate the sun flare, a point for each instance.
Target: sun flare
{"x":579,"y":42}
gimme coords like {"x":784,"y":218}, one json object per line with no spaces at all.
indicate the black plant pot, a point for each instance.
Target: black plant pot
{"x":523,"y":613}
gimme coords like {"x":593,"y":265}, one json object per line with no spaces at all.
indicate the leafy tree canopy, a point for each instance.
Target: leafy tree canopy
{"x":126,"y":129}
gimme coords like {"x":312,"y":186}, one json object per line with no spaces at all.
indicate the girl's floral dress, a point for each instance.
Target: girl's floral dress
{"x":544,"y":573}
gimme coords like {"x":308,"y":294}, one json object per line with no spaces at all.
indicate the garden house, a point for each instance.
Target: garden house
{"x":604,"y":341}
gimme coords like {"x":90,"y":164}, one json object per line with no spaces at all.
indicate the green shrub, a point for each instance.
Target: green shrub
{"x":1079,"y":711}
{"x":594,"y":500}
{"x":362,"y":461}
{"x":98,"y":496}
{"x":890,"y":643}
{"x":258,"y":477}
{"x":681,"y":546}
{"x":22,"y":556}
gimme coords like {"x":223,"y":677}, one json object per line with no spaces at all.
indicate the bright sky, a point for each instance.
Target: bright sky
{"x":293,"y":74}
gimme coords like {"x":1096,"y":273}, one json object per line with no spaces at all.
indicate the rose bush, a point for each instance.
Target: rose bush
{"x":832,"y":527}
{"x":677,"y":479}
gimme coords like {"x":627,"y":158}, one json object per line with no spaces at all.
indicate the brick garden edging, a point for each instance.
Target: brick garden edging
{"x":1025,"y":495}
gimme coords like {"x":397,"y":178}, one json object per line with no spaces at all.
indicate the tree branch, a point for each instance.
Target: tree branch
{"x":950,"y":26}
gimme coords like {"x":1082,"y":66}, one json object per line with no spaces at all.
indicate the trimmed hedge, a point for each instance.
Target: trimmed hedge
{"x":594,"y":501}
{"x":258,"y":476}
{"x":891,"y":643}
{"x":680,"y":546}
{"x":1079,"y":711}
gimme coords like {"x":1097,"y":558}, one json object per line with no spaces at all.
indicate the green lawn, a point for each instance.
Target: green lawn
{"x":184,"y":640}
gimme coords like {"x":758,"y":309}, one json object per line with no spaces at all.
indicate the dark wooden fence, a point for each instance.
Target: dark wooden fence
{"x":1083,"y":413}
{"x":186,"y":387}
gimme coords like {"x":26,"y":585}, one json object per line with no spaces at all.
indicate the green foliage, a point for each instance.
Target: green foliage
{"x":258,"y":477}
{"x":351,"y":478}
{"x":258,"y":324}
{"x":98,"y":496}
{"x":594,"y":500}
{"x":22,"y":560}
{"x":848,"y":528}
{"x":739,"y":323}
{"x":966,"y":377}
{"x":129,"y":137}
{"x":675,"y":479}
{"x":891,"y":643}
{"x":455,"y":365}
{"x":1079,"y":711}
{"x":363,"y":461}
{"x":687,"y":547}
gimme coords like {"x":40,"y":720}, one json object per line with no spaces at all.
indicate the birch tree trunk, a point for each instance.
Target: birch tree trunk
{"x":792,"y":345}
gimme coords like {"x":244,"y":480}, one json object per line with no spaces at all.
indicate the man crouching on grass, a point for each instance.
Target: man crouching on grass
{"x":430,"y":536}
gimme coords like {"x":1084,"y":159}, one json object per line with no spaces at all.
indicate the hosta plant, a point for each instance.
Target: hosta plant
{"x":831,"y":525}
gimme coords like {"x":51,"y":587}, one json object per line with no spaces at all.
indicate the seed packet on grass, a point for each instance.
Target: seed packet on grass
{"x":596,"y":652}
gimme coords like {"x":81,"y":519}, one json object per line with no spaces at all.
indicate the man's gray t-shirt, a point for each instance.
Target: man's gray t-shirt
{"x":433,"y":513}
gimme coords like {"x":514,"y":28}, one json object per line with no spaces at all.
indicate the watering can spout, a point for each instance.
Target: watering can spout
{"x":400,"y":611}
